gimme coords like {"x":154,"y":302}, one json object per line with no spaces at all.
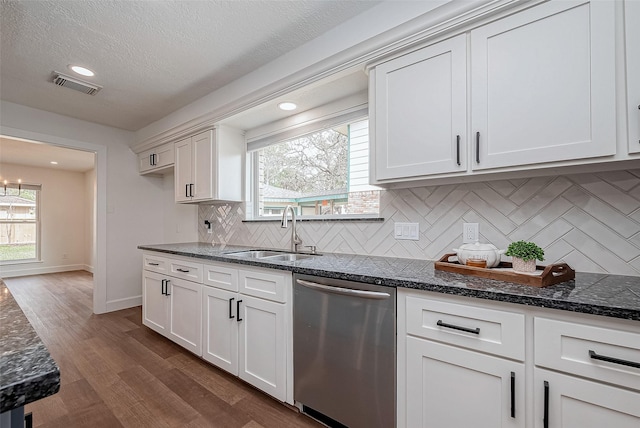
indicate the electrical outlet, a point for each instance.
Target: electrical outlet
{"x":407,"y":231}
{"x":470,"y":233}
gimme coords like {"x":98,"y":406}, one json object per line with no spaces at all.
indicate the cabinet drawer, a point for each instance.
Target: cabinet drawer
{"x":584,"y":350}
{"x":487,"y":330}
{"x":185,"y":270}
{"x":266,"y":284}
{"x":155,"y":263}
{"x":220,"y":276}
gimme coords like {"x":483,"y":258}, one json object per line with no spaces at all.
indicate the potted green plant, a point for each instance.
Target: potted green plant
{"x":524,"y":255}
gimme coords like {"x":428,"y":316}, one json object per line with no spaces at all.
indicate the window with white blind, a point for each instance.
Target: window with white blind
{"x":321,"y":173}
{"x":19,"y":223}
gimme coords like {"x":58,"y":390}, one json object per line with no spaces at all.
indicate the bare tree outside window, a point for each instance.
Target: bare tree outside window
{"x":323,"y":173}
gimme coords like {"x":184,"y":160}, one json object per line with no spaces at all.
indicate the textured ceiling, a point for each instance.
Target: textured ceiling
{"x":151,"y":57}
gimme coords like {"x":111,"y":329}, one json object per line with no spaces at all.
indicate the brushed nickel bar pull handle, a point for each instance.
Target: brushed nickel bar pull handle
{"x":477,"y":147}
{"x":340,"y":290}
{"x":458,"y":149}
{"x":457,"y":327}
{"x":593,"y":355}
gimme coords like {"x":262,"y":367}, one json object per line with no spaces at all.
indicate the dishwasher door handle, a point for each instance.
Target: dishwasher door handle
{"x":346,"y":291}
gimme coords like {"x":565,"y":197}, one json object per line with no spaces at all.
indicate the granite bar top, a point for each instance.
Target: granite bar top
{"x":27,"y":371}
{"x":607,"y":295}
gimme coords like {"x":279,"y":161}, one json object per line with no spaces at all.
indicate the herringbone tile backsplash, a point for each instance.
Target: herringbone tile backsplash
{"x":590,"y":221}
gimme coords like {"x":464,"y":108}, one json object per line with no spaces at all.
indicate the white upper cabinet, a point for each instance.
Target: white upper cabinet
{"x":543,"y":85}
{"x":632,"y":28}
{"x":533,"y":88}
{"x":156,"y":160}
{"x":420,"y":111}
{"x":208,"y":166}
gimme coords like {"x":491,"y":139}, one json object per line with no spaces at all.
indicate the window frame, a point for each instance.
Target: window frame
{"x":37,"y":222}
{"x":253,"y":164}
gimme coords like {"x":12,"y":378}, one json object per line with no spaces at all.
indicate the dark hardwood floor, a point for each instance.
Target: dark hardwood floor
{"x":118,"y":373}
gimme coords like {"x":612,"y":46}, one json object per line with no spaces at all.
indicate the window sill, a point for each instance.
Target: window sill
{"x":345,"y":219}
{"x":19,"y":262}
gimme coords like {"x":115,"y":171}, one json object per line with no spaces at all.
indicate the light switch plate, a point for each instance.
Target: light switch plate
{"x":407,"y":231}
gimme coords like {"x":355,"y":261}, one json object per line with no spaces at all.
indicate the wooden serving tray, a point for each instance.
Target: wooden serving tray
{"x":551,"y":274}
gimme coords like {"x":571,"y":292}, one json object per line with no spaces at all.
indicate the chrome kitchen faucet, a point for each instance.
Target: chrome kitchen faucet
{"x":295,"y":239}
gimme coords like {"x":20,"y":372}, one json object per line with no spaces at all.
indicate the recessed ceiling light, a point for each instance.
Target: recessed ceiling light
{"x":287,"y":106}
{"x":54,"y":163}
{"x":81,"y":70}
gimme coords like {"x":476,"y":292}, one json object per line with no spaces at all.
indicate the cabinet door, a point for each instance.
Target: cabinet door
{"x":203,"y":146}
{"x":420,"y":112}
{"x":182,"y":174}
{"x":632,"y":18}
{"x":262,"y":347}
{"x":144,"y":161}
{"x":220,"y":328}
{"x":155,"y":305}
{"x":185,"y":314}
{"x":165,"y":156}
{"x":543,"y":85}
{"x":574,"y":402}
{"x":451,"y":387}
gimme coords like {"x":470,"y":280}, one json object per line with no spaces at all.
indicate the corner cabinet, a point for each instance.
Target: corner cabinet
{"x":466,"y":362}
{"x":209,"y":166}
{"x":535,"y":88}
{"x":157,"y":160}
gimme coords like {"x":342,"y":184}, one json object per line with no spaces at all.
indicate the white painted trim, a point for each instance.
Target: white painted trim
{"x":88,"y":268}
{"x":12,"y":273}
{"x":128,"y":302}
{"x":100,"y":244}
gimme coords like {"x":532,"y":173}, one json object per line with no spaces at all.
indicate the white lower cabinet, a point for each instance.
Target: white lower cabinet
{"x":248,"y":335}
{"x":238,"y":319}
{"x":563,"y":401}
{"x":171,"y":307}
{"x":452,"y":370}
{"x":155,"y":303}
{"x":261,"y":345}
{"x":465,"y":362}
{"x":452,"y":387}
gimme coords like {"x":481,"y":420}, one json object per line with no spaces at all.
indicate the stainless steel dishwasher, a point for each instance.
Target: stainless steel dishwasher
{"x":344,"y":351}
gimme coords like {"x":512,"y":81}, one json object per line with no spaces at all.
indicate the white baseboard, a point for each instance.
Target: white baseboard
{"x":9,"y":271}
{"x":88,"y":268}
{"x":127,"y":302}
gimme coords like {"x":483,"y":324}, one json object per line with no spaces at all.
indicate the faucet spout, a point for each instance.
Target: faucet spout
{"x":295,"y":239}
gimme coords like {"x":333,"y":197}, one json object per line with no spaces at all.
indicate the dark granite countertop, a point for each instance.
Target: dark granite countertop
{"x":608,"y":295}
{"x":27,"y":371}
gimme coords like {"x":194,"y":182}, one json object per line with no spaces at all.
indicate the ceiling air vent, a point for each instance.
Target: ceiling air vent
{"x":75,"y":83}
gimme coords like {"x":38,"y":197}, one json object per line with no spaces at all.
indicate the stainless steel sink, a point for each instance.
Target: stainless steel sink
{"x":288,"y":257}
{"x":273,"y":256}
{"x":255,"y":254}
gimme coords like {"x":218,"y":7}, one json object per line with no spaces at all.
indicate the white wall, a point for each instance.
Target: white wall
{"x":62,"y":219}
{"x":129,"y":206}
{"x":180,"y":220}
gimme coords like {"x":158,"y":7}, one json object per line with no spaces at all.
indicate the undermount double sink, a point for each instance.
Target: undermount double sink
{"x":268,"y":255}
